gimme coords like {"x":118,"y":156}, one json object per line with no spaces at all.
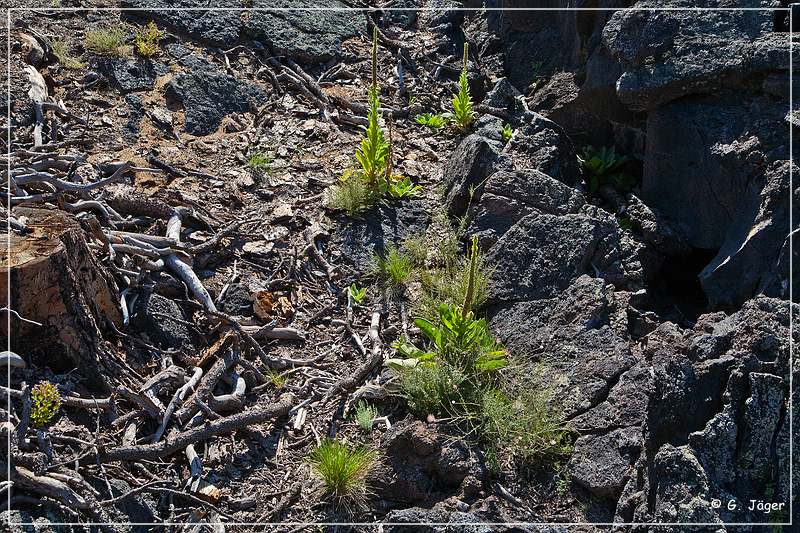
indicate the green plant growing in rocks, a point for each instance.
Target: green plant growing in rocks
{"x":463,"y":113}
{"x":365,"y":415}
{"x":403,"y":188}
{"x":393,"y":267}
{"x":461,"y":373}
{"x":507,"y":132}
{"x":343,"y":470}
{"x":106,"y":41}
{"x":260,"y":162}
{"x":359,"y":189}
{"x":64,"y":57}
{"x":356,"y":295}
{"x":604,"y":167}
{"x":147,"y":39}
{"x":45,"y":403}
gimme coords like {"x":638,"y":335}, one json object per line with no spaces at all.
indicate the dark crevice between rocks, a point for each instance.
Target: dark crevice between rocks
{"x":676,"y":293}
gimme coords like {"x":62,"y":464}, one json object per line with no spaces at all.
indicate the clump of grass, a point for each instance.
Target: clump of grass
{"x":434,"y":121}
{"x":147,"y":39}
{"x":260,"y":162}
{"x":525,"y":430}
{"x":277,"y":379}
{"x":46,"y":401}
{"x":64,"y":57}
{"x":417,"y":248}
{"x":343,"y":469}
{"x":365,"y":415}
{"x":106,"y":41}
{"x":463,"y":113}
{"x":393,"y":267}
{"x":352,"y":194}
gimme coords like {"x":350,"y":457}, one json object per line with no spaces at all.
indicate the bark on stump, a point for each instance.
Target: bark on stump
{"x":56,"y":280}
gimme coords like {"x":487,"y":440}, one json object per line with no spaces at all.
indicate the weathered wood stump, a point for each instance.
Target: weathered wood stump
{"x":56,"y":281}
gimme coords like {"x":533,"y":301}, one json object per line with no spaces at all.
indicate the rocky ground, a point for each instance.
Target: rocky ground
{"x":656,"y":315}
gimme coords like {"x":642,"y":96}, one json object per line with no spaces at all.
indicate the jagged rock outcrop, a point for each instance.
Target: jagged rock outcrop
{"x":305,"y":35}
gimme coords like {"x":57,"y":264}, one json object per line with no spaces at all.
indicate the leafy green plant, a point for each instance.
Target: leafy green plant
{"x":365,"y":415}
{"x":403,"y":188}
{"x":507,"y":132}
{"x":343,"y":469}
{"x":46,"y":401}
{"x":463,"y":114}
{"x":393,"y":267}
{"x":106,"y":41}
{"x":374,"y":149}
{"x":260,"y":162}
{"x":356,"y":295}
{"x":64,"y":57}
{"x":147,"y":39}
{"x":433,"y":121}
{"x":603,"y":167}
{"x":359,"y":189}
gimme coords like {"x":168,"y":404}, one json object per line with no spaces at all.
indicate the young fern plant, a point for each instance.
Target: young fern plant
{"x":463,"y":114}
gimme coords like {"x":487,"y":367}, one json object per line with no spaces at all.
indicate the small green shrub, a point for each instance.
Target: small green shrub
{"x":417,"y":248}
{"x":46,"y":401}
{"x":365,"y":415}
{"x":393,"y":267}
{"x":526,"y":430}
{"x":433,"y":389}
{"x":463,"y":114}
{"x":507,"y":132}
{"x":62,"y":54}
{"x":352,"y":194}
{"x":260,"y":162}
{"x":343,"y":469}
{"x":356,"y":295}
{"x":147,"y":39}
{"x":604,"y":167}
{"x":433,"y":121}
{"x":105,"y":41}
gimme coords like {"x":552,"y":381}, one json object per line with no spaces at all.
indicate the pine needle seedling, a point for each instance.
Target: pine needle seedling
{"x":343,"y":470}
{"x":147,"y":39}
{"x":463,"y":113}
{"x":365,"y":415}
{"x":276,"y":378}
{"x":46,"y":400}
{"x":107,"y":41}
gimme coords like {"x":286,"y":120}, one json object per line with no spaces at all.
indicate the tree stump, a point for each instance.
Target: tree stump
{"x":56,"y":280}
